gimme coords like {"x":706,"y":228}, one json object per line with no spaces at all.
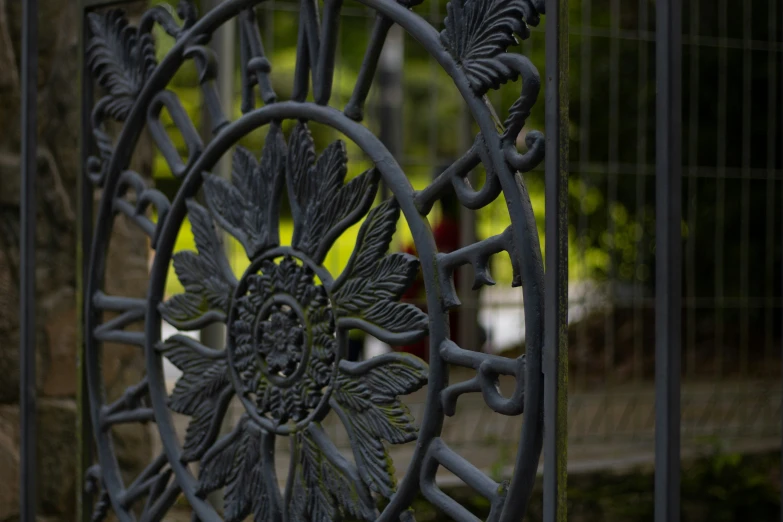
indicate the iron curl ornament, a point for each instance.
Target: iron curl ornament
{"x":287,"y":317}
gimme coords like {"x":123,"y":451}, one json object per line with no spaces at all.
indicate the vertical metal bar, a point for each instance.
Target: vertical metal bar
{"x":584,"y":175}
{"x":556,"y":277}
{"x":468,"y":313}
{"x":720,"y":192}
{"x":668,"y":305}
{"x":390,"y":95}
{"x":747,"y":96}
{"x":83,"y":242}
{"x":780,"y":151}
{"x":772,"y":127}
{"x":643,"y":109}
{"x":612,"y":271}
{"x":222,"y":43}
{"x":27,"y":210}
{"x":693,"y":194}
{"x":611,"y":201}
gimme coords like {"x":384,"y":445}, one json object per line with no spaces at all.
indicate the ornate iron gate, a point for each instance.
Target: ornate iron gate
{"x":287,"y":317}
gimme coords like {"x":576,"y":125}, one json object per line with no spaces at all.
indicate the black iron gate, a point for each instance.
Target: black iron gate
{"x":287,"y":318}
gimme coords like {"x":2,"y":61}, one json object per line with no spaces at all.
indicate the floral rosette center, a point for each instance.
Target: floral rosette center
{"x":282,"y":341}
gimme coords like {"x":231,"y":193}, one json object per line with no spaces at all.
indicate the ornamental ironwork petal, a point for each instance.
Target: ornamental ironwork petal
{"x":202,"y":392}
{"x":478,"y":32}
{"x":326,"y":485}
{"x":323,"y":205}
{"x":367,"y":293}
{"x":366,"y":400}
{"x":247,"y":208}
{"x":121,"y":58}
{"x":207,"y":277}
{"x":243,"y":464}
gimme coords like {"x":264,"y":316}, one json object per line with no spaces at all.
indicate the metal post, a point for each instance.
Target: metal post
{"x":27,"y":408}
{"x":468,"y":317}
{"x":222,"y":42}
{"x":84,"y":500}
{"x":781,"y":373}
{"x":556,"y":276}
{"x":668,"y":305}
{"x":390,"y":96}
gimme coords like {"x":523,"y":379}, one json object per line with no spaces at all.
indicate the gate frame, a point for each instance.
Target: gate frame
{"x":555,"y":356}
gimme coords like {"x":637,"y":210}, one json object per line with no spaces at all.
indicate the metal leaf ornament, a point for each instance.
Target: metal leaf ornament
{"x":206,"y":276}
{"x":243,"y":463}
{"x":121,"y":58}
{"x":478,"y":32}
{"x":324,"y":206}
{"x":247,"y":207}
{"x":366,"y":401}
{"x":201,"y":392}
{"x":368,"y":292}
{"x":286,"y":318}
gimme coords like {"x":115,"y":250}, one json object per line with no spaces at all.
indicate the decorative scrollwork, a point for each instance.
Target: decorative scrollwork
{"x":146,"y":197}
{"x":287,"y":316}
{"x":161,"y":15}
{"x":121,"y":60}
{"x":478,"y":32}
{"x":94,"y":486}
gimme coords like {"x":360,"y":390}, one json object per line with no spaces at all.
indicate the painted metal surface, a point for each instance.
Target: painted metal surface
{"x":287,"y":317}
{"x":556,"y":310}
{"x":668,"y":264}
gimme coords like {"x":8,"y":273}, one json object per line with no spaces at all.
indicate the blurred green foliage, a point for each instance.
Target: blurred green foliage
{"x":612,"y":91}
{"x":716,"y":487}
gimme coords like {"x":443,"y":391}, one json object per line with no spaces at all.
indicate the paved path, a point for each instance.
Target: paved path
{"x":606,"y":430}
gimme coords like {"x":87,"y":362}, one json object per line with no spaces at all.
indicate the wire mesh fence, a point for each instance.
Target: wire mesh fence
{"x":732,"y":225}
{"x":731,"y":301}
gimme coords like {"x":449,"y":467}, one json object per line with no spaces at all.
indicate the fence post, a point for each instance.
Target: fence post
{"x":556,"y":276}
{"x":668,"y":300}
{"x":222,"y":43}
{"x":84,"y":499}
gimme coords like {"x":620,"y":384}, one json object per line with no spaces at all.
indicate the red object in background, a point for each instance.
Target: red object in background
{"x":446,"y":235}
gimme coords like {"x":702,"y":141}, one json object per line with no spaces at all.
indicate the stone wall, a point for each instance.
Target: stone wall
{"x":58,"y":168}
